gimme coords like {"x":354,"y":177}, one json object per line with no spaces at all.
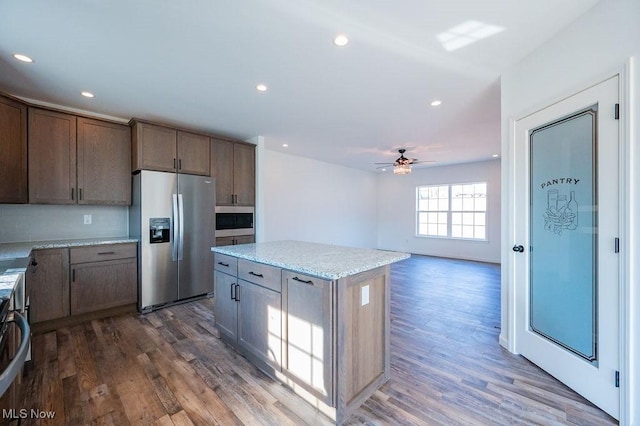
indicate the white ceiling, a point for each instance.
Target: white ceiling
{"x":196,"y":64}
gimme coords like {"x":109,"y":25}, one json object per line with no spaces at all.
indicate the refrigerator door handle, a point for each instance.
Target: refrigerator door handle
{"x":176,"y":220}
{"x":181,"y":215}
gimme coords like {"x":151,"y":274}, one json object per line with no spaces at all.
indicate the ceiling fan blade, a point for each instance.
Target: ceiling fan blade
{"x":386,"y":164}
{"x":424,"y":161}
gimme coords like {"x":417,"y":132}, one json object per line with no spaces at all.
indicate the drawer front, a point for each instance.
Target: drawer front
{"x":261,"y":274}
{"x":225,"y":263}
{"x":102,"y":252}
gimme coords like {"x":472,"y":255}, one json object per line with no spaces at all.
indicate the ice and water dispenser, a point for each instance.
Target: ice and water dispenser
{"x":159,"y":230}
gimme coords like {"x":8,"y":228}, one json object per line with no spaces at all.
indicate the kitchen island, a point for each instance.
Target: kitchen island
{"x":314,"y":316}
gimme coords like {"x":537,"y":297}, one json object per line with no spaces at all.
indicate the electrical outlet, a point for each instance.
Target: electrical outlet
{"x":87,"y":219}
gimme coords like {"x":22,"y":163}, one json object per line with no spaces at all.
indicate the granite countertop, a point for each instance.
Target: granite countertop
{"x":14,"y":257}
{"x":10,"y":271}
{"x":321,"y":260}
{"x":23,"y":249}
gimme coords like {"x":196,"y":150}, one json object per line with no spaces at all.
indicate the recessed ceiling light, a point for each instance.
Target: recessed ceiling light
{"x":384,"y":170}
{"x":87,"y":94}
{"x":23,"y":58}
{"x":261,"y":88}
{"x":284,"y":145}
{"x":436,"y":103}
{"x":341,"y":40}
{"x":496,"y":155}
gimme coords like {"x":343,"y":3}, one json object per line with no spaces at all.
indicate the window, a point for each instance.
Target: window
{"x":455,"y":210}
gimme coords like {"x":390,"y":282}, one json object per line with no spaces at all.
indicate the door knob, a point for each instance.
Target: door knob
{"x":518,"y":249}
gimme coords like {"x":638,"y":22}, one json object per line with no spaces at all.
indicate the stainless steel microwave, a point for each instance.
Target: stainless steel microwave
{"x":233,"y":221}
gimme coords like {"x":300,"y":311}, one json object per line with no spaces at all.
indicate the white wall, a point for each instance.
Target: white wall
{"x":309,"y":200}
{"x":596,"y":46}
{"x":397,"y":211}
{"x":31,"y":222}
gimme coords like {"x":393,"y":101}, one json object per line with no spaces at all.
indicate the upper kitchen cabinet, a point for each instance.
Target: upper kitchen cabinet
{"x":52,"y":157}
{"x":13,"y":143}
{"x":104,"y":162}
{"x":154,"y":147}
{"x":234,"y":167}
{"x":77,"y":160}
{"x":193,"y":153}
{"x":169,"y":150}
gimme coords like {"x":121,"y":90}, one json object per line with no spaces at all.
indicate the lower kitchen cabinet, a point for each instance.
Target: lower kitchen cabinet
{"x":103,"y":277}
{"x":260,"y":322}
{"x":308,"y":338}
{"x":248,"y":315}
{"x":103,"y":285}
{"x":226,"y":306}
{"x":64,"y":282}
{"x":47,"y":284}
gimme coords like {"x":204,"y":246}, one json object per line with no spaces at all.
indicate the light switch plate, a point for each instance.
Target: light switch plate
{"x":87,"y":219}
{"x":364,"y":295}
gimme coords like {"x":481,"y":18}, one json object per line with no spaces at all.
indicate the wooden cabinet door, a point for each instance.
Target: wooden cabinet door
{"x":245,"y":239}
{"x":47,"y":284}
{"x":13,"y":145}
{"x":104,"y":162}
{"x":193,"y":154}
{"x":225,"y":241}
{"x":260,"y":323}
{"x":52,"y":157}
{"x":225,"y":306}
{"x":244,"y":174}
{"x":308,"y":357}
{"x":222,"y":170}
{"x":154,"y":148}
{"x":102,"y":285}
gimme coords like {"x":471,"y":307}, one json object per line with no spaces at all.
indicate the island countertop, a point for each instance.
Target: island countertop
{"x":321,"y":260}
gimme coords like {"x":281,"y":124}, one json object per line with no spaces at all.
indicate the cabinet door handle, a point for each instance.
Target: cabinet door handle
{"x":73,"y":275}
{"x":180,"y":164}
{"x":72,"y":193}
{"x":107,"y":252}
{"x":33,"y":265}
{"x":79,"y":193}
{"x":237,"y":292}
{"x":174,"y":163}
{"x":302,"y":281}
{"x":256,"y":275}
{"x":233,"y":296}
{"x":226,"y":265}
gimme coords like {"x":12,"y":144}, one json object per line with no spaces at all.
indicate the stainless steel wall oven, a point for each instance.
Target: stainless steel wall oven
{"x":233,"y":221}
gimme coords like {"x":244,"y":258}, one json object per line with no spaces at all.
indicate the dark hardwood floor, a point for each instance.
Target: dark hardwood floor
{"x":167,"y":367}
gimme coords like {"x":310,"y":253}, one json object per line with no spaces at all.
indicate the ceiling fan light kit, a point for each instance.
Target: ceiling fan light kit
{"x":402,"y":169}
{"x":402,"y":165}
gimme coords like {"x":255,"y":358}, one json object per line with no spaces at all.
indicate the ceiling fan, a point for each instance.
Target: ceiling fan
{"x":402,"y":165}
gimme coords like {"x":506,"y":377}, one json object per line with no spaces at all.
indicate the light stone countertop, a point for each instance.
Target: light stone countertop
{"x":321,"y":260}
{"x":23,"y":249}
{"x":14,"y":257}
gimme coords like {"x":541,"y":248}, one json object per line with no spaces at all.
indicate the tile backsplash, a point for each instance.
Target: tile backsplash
{"x":33,"y":222}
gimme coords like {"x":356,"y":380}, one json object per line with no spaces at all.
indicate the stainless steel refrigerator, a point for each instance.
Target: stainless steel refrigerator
{"x":173,"y":216}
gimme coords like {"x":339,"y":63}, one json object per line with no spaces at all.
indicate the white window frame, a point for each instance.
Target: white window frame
{"x":449,"y":212}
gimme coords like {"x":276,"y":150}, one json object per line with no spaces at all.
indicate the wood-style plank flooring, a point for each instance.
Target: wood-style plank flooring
{"x":167,"y":368}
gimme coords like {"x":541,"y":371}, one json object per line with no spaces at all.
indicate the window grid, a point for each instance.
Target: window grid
{"x":453,"y":210}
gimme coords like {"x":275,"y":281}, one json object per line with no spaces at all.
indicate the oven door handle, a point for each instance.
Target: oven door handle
{"x":9,"y":374}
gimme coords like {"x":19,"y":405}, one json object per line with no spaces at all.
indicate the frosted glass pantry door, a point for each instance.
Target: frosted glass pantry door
{"x":565,"y":271}
{"x":563,"y":232}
